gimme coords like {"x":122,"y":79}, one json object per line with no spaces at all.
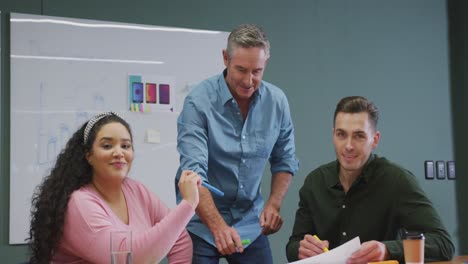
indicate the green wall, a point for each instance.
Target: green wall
{"x":396,"y":52}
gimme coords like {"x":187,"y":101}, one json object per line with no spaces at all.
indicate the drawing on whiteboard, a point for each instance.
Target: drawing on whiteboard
{"x":47,"y":147}
{"x":99,"y":102}
{"x":52,"y":136}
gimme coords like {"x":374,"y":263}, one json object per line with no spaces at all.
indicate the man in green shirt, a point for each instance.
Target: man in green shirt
{"x":361,"y":194}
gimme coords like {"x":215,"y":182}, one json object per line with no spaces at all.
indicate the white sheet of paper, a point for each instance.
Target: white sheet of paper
{"x":337,"y":255}
{"x":153,"y":136}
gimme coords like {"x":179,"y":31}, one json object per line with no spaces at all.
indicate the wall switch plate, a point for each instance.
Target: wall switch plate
{"x":429,"y":169}
{"x":451,"y":170}
{"x":440,"y":169}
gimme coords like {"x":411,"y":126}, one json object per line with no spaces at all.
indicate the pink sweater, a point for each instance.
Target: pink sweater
{"x":157,"y":231}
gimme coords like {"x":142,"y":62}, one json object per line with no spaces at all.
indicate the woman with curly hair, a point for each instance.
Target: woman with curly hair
{"x":88,"y":194}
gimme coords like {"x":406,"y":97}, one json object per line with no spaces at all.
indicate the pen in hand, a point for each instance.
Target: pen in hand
{"x":212,"y":188}
{"x":325,"y":249}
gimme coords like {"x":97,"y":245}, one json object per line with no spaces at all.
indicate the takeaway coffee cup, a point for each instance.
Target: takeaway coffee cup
{"x":413,"y":246}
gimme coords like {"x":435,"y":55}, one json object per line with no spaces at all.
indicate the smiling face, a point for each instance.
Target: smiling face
{"x":112,"y":153}
{"x":354,"y":139}
{"x":245,"y":71}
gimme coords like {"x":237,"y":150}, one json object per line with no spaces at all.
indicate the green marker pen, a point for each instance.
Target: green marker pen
{"x":245,"y":242}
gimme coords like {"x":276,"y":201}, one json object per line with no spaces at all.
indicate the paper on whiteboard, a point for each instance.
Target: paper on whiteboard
{"x":337,"y":255}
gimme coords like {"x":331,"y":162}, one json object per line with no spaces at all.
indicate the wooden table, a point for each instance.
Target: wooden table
{"x":455,"y":260}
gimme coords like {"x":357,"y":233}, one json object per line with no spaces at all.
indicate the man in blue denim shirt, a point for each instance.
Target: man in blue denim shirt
{"x":230,"y":125}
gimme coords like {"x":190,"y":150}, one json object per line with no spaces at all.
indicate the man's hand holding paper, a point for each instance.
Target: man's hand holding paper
{"x":370,"y":251}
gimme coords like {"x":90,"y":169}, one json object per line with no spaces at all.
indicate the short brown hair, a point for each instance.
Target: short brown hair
{"x":358,"y":104}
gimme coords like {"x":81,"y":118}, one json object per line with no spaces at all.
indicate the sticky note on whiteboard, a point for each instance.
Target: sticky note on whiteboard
{"x":153,"y":136}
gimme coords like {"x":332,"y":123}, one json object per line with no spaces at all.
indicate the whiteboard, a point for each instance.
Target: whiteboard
{"x":63,"y":71}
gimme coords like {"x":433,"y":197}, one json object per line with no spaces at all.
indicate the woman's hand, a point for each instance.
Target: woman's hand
{"x":188,"y":185}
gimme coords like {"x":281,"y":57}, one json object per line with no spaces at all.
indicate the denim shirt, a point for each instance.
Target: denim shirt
{"x":230,"y":153}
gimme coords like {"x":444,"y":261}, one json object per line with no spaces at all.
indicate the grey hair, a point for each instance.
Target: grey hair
{"x":248,"y":36}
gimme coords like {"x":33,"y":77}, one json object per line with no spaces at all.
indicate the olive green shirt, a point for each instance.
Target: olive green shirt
{"x":382,"y":201}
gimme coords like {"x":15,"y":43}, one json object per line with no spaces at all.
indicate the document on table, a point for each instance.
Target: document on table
{"x":337,"y":255}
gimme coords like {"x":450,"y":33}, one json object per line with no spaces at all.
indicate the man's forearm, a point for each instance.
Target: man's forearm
{"x":279,"y":186}
{"x":207,"y":210}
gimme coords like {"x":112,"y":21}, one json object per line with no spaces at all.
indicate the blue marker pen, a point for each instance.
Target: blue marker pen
{"x":212,"y":189}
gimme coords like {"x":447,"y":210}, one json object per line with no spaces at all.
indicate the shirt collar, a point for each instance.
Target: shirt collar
{"x":224,"y":92}
{"x":364,"y":177}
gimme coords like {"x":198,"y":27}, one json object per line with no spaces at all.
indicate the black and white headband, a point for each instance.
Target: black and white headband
{"x":94,"y":120}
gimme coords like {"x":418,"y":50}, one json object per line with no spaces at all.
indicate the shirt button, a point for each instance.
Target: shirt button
{"x":243,"y":136}
{"x":243,"y":161}
{"x":242,"y":186}
{"x":343,"y":206}
{"x":344,"y":233}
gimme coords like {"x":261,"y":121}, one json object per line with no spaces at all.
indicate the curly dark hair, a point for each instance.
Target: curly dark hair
{"x":50,"y":200}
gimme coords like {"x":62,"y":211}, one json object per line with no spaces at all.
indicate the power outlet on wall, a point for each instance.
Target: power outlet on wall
{"x":451,"y":170}
{"x":440,"y":169}
{"x":429,"y":169}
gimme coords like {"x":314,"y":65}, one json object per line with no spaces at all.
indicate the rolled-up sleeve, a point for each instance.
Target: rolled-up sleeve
{"x":283,"y":156}
{"x":192,"y":139}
